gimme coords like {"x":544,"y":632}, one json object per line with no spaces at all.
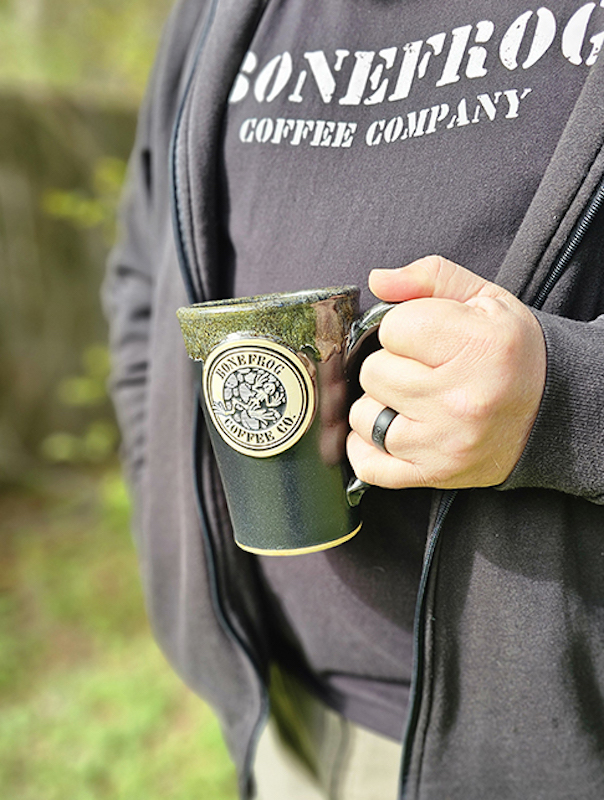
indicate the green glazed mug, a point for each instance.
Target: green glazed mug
{"x":274,"y":393}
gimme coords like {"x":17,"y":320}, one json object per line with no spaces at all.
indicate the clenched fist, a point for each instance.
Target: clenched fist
{"x":463,"y":363}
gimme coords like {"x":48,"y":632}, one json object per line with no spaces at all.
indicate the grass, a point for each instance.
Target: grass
{"x":89,"y":709}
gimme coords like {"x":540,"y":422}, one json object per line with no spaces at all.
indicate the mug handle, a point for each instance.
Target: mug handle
{"x":359,"y":330}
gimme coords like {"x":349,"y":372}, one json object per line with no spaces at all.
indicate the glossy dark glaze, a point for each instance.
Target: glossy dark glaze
{"x":289,"y":502}
{"x":294,"y":501}
{"x":315,"y":321}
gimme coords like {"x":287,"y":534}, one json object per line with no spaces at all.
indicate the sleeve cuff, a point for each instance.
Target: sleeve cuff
{"x":565,"y":450}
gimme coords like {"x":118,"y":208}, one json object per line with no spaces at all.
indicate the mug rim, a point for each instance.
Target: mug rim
{"x":277,"y":299}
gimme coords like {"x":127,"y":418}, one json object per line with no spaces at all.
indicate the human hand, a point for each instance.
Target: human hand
{"x":463,"y":363}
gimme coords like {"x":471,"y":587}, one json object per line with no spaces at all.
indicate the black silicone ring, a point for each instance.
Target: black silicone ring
{"x":380,"y":427}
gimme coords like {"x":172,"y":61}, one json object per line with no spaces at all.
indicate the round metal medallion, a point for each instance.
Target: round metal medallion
{"x":259,"y":396}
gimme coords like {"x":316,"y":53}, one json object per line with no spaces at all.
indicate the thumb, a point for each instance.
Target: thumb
{"x":432,"y":276}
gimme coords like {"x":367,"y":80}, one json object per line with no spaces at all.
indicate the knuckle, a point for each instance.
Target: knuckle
{"x":459,"y":451}
{"x":421,"y":479}
{"x":365,"y":470}
{"x":392,"y":328}
{"x":468,"y":404}
{"x":443,"y":271}
{"x":369,"y":372}
{"x":355,"y":415}
{"x":508,"y":341}
{"x":437,"y":265}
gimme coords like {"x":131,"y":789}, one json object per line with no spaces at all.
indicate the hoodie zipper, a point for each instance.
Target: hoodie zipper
{"x":419,"y":631}
{"x":220,"y":611}
{"x":558,"y":269}
{"x":246,"y":780}
{"x":574,"y":241}
{"x":175,"y":205}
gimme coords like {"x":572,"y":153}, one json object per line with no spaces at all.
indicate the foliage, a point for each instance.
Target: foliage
{"x":89,"y":710}
{"x":98,"y":441}
{"x":71,"y":78}
{"x":89,"y":389}
{"x":91,"y":209}
{"x":99,"y":47}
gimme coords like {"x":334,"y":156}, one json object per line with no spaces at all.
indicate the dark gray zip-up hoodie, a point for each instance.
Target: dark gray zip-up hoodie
{"x":508,"y":696}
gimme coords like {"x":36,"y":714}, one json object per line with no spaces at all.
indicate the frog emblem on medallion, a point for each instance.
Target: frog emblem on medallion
{"x":259,"y":395}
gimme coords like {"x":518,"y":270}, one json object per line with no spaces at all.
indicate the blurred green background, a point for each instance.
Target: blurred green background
{"x":88,"y":707}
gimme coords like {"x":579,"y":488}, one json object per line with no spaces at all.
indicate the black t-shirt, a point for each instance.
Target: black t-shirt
{"x":368,"y":133}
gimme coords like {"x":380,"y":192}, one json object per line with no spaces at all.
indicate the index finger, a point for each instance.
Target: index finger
{"x":429,"y":330}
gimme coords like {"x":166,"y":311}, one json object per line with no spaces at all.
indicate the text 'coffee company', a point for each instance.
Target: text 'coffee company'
{"x":343,"y":78}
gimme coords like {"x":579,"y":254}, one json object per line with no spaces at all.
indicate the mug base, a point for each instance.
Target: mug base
{"x":299,"y":551}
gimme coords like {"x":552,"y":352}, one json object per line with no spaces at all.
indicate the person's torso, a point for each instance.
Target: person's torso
{"x":364,"y":134}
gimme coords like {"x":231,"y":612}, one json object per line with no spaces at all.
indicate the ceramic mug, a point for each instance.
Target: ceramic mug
{"x":274,"y":392}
